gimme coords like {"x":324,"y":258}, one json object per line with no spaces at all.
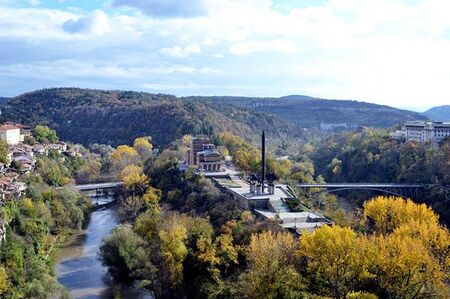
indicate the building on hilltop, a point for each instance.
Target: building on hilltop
{"x":203,"y":156}
{"x":425,"y":131}
{"x":337,"y":126}
{"x":25,"y":131}
{"x":10,"y":134}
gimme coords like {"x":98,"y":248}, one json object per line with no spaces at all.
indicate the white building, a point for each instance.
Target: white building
{"x":10,"y":134}
{"x":426,"y":132}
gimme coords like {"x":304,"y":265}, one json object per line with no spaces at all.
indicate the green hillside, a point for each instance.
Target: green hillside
{"x":117,"y":117}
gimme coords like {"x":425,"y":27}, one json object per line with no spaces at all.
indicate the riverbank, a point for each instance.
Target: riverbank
{"x":78,"y":267}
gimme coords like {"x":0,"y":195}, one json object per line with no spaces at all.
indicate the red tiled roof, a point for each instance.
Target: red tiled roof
{"x":8,"y":127}
{"x":22,"y":126}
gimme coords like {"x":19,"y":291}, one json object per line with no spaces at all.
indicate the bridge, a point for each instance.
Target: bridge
{"x":402,"y":190}
{"x":98,"y":186}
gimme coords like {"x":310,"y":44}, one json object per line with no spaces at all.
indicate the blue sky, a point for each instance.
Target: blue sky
{"x":392,"y":52}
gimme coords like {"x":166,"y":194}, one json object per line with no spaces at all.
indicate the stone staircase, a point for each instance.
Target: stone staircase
{"x":278,"y":206}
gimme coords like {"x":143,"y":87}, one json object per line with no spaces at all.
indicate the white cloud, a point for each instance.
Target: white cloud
{"x":391,"y":52}
{"x":96,"y":23}
{"x":179,"y":52}
{"x":245,"y":48}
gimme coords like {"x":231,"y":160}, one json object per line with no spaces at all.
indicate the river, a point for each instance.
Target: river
{"x":78,"y":267}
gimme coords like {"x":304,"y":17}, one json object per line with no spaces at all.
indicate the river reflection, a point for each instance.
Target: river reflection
{"x":78,"y":266}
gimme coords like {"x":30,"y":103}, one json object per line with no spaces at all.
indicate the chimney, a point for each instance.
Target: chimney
{"x":263,"y":160}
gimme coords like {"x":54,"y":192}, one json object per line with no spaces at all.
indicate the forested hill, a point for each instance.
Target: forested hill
{"x":440,"y":113}
{"x":309,"y":112}
{"x":3,"y":101}
{"x":116,"y":117}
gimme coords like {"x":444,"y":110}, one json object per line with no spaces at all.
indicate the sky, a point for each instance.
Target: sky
{"x":392,"y":52}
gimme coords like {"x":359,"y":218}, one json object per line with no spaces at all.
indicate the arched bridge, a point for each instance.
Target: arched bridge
{"x":402,"y":190}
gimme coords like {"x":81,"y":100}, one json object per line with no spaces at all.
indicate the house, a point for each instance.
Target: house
{"x":60,"y":147}
{"x":39,"y":149}
{"x":10,"y":134}
{"x":25,"y":131}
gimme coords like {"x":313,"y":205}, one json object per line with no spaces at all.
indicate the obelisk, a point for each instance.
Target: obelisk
{"x":263,"y":160}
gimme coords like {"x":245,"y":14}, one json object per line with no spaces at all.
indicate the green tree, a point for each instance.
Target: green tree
{"x":4,"y":152}
{"x":121,"y":251}
{"x":44,"y":134}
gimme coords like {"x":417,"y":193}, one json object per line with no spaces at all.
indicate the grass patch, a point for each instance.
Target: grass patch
{"x":295,"y":205}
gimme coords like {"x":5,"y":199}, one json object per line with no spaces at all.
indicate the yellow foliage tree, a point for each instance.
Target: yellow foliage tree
{"x":280,"y":168}
{"x":221,"y":252}
{"x":433,"y":236}
{"x":247,"y":159}
{"x":151,"y":198}
{"x":335,"y":255}
{"x":404,"y":268}
{"x":122,"y":157}
{"x":173,"y":251}
{"x":3,"y":281}
{"x":384,"y":214}
{"x":271,"y":272}
{"x":411,"y":253}
{"x":134,"y":179}
{"x":143,"y":147}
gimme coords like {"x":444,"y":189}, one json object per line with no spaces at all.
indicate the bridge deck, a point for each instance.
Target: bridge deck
{"x":360,"y":185}
{"x":87,"y":187}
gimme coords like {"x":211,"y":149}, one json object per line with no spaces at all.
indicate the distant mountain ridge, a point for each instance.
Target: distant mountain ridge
{"x":116,"y":117}
{"x":439,"y":113}
{"x":306,"y":111}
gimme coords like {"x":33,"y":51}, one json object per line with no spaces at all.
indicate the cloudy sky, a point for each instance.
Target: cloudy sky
{"x":394,"y":52}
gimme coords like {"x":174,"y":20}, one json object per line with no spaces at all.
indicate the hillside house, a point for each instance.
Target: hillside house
{"x":10,"y":134}
{"x":25,"y":131}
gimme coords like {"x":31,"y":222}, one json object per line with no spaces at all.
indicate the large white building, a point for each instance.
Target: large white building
{"x":10,"y":134}
{"x":426,"y":131}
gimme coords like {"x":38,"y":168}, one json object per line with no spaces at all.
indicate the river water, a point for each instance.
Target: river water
{"x":78,"y":267}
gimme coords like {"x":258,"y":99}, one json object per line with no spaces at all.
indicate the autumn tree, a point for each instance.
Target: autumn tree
{"x":143,"y":147}
{"x":404,"y":268}
{"x":335,"y":258}
{"x":134,"y":179}
{"x":151,"y":199}
{"x":271,"y":272}
{"x":411,"y":254}
{"x":3,"y":280}
{"x":122,"y":157}
{"x":173,"y":251}
{"x":384,"y":214}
